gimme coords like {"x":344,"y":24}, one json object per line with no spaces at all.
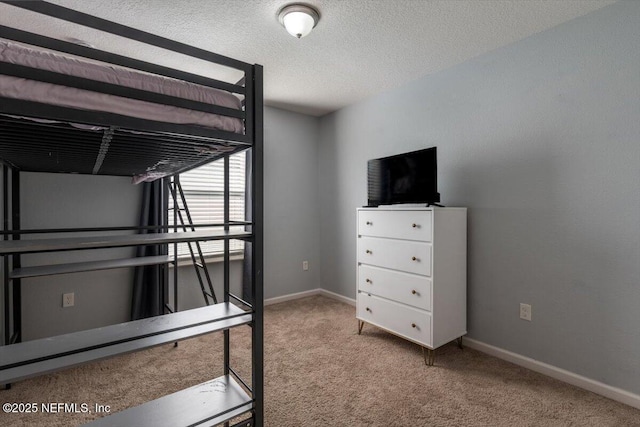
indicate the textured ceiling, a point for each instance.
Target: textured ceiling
{"x":359,"y":48}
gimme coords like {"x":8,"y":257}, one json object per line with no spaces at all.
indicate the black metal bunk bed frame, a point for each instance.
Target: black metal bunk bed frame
{"x":27,"y":145}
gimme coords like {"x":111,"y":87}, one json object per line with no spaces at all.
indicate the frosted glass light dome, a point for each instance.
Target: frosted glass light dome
{"x":298,"y":19}
{"x":298,"y":24}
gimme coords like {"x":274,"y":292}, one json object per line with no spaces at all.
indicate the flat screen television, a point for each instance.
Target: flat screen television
{"x":404,"y":178}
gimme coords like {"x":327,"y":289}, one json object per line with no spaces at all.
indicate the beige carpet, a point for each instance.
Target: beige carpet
{"x":319,"y":372}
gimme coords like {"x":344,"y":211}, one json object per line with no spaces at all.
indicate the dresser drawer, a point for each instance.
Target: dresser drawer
{"x":397,"y":224}
{"x":403,"y":255}
{"x":400,"y":319}
{"x":406,"y":288}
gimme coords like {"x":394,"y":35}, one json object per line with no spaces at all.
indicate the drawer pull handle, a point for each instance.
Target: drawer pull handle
{"x":369,"y":223}
{"x":414,"y":225}
{"x":414,"y":292}
{"x":413,"y":325}
{"x":368,"y":309}
{"x":368,"y":280}
{"x":368,"y":251}
{"x":414,"y":258}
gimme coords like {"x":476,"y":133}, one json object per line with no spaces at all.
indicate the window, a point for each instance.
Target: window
{"x":203,"y":189}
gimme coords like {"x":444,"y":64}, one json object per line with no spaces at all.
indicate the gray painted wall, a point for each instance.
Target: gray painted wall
{"x":540,"y":140}
{"x":101,"y":297}
{"x":291,"y":209}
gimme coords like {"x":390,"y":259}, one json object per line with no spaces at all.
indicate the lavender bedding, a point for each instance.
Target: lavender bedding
{"x":30,"y":90}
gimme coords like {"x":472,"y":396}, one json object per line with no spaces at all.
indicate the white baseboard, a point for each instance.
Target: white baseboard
{"x":289,"y":297}
{"x":312,"y":292}
{"x":338,"y":297}
{"x":597,"y":387}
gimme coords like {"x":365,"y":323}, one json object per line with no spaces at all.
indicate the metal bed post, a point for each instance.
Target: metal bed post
{"x":257,"y":292}
{"x":15,"y":225}
{"x":227,"y":353}
{"x":226,"y":258}
{"x":5,"y":259}
{"x":165,"y":248}
{"x":175,"y":246}
{"x":5,"y":262}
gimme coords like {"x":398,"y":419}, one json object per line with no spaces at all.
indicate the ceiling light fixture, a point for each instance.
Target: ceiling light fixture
{"x":298,"y":19}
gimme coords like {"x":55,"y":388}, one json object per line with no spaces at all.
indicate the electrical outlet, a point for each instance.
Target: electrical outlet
{"x":525,"y":312}
{"x":68,"y":300}
{"x":305,"y":265}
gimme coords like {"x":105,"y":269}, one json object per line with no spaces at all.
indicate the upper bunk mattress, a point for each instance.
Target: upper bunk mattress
{"x":47,"y":93}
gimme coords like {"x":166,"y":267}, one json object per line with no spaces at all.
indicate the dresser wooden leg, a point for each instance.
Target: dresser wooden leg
{"x":459,"y":340}
{"x":429,"y":356}
{"x":360,"y":326}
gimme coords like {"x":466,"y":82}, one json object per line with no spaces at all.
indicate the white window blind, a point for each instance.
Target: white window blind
{"x":203,"y":189}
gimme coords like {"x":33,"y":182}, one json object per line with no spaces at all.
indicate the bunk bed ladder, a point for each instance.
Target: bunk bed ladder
{"x":197,"y":257}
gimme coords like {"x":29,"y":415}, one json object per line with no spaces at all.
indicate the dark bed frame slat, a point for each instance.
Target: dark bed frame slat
{"x":53,"y":145}
{"x":23,"y":128}
{"x":59,"y":79}
{"x":20,"y":107}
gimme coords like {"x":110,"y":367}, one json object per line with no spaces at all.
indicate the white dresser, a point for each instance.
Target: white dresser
{"x":412,"y":273}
